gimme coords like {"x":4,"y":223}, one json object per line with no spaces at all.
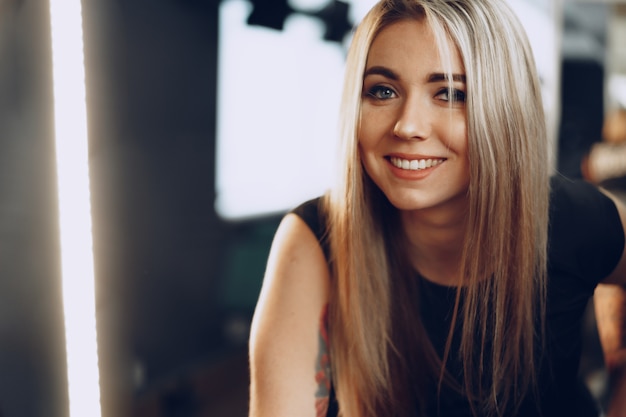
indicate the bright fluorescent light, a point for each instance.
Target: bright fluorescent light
{"x":74,"y":208}
{"x":283,"y":153}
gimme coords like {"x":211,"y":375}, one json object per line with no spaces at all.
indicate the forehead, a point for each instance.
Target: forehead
{"x":412,"y":43}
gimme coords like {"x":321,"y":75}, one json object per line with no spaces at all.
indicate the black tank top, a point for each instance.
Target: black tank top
{"x":586,"y":241}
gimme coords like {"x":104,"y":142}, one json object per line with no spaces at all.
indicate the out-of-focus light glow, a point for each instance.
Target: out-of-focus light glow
{"x":278,"y":99}
{"x":308,"y":4}
{"x":617,"y":90}
{"x":74,"y":208}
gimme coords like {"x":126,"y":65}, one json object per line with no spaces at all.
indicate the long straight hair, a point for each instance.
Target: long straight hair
{"x":503,"y":263}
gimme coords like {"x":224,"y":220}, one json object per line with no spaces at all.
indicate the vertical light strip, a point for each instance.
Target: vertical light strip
{"x":74,"y":208}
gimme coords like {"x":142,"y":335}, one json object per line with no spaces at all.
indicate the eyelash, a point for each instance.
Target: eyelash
{"x":454,"y":95}
{"x":376,"y":90}
{"x":457,"y":95}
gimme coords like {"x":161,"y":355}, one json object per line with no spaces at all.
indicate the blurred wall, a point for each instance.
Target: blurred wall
{"x":175,"y":285}
{"x":172,"y":282}
{"x":32,"y":354}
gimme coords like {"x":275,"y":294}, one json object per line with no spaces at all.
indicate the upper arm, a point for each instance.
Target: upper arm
{"x":618,"y":276}
{"x":284,"y":338}
{"x":610,"y":312}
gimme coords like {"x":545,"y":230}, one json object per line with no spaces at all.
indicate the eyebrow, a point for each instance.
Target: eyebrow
{"x":432,"y":78}
{"x":445,"y":77}
{"x":385,"y":72}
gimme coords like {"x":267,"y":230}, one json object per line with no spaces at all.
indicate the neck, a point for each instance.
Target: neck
{"x":435,"y":244}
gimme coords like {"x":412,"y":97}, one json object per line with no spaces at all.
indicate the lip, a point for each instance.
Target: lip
{"x":407,"y":174}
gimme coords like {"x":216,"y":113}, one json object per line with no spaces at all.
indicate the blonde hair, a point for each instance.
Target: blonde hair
{"x":506,"y":236}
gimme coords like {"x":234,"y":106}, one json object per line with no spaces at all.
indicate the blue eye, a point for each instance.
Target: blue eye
{"x":454,"y":95}
{"x":380,"y":92}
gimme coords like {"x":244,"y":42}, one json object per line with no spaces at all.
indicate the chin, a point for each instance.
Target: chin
{"x":404,"y":202}
{"x":425,"y":201}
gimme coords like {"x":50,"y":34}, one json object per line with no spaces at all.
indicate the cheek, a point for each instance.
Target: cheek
{"x":371,"y":130}
{"x":457,"y":137}
{"x":363,"y":155}
{"x":364,"y":136}
{"x":369,"y":155}
{"x":366,"y":159}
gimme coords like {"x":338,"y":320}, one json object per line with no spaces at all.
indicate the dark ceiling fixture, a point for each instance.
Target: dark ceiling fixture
{"x":273,"y":13}
{"x":269,"y":13}
{"x":335,"y":17}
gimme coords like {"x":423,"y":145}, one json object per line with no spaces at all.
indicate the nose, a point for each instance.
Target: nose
{"x":413,"y":121}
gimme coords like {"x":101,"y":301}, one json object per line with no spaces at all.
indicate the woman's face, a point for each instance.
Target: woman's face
{"x":413,"y":134}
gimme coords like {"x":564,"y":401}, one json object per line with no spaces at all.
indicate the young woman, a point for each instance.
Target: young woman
{"x":445,"y":274}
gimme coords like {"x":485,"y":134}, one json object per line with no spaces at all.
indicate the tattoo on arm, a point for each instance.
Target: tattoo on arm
{"x":322,"y":368}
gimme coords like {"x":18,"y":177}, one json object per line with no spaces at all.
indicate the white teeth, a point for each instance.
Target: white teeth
{"x":414,"y":164}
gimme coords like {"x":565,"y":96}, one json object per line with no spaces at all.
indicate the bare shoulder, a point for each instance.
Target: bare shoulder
{"x":296,"y":267}
{"x":284,"y":339}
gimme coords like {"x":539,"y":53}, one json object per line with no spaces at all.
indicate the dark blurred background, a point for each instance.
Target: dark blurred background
{"x":176,"y":284}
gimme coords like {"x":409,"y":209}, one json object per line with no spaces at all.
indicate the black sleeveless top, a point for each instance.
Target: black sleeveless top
{"x":586,"y":240}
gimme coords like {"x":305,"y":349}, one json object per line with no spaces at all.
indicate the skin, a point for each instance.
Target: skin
{"x":322,"y":367}
{"x":287,"y":364}
{"x":610,"y":309}
{"x":410,"y":112}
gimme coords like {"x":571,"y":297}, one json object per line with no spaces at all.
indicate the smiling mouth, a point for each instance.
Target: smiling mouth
{"x":414,"y":164}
